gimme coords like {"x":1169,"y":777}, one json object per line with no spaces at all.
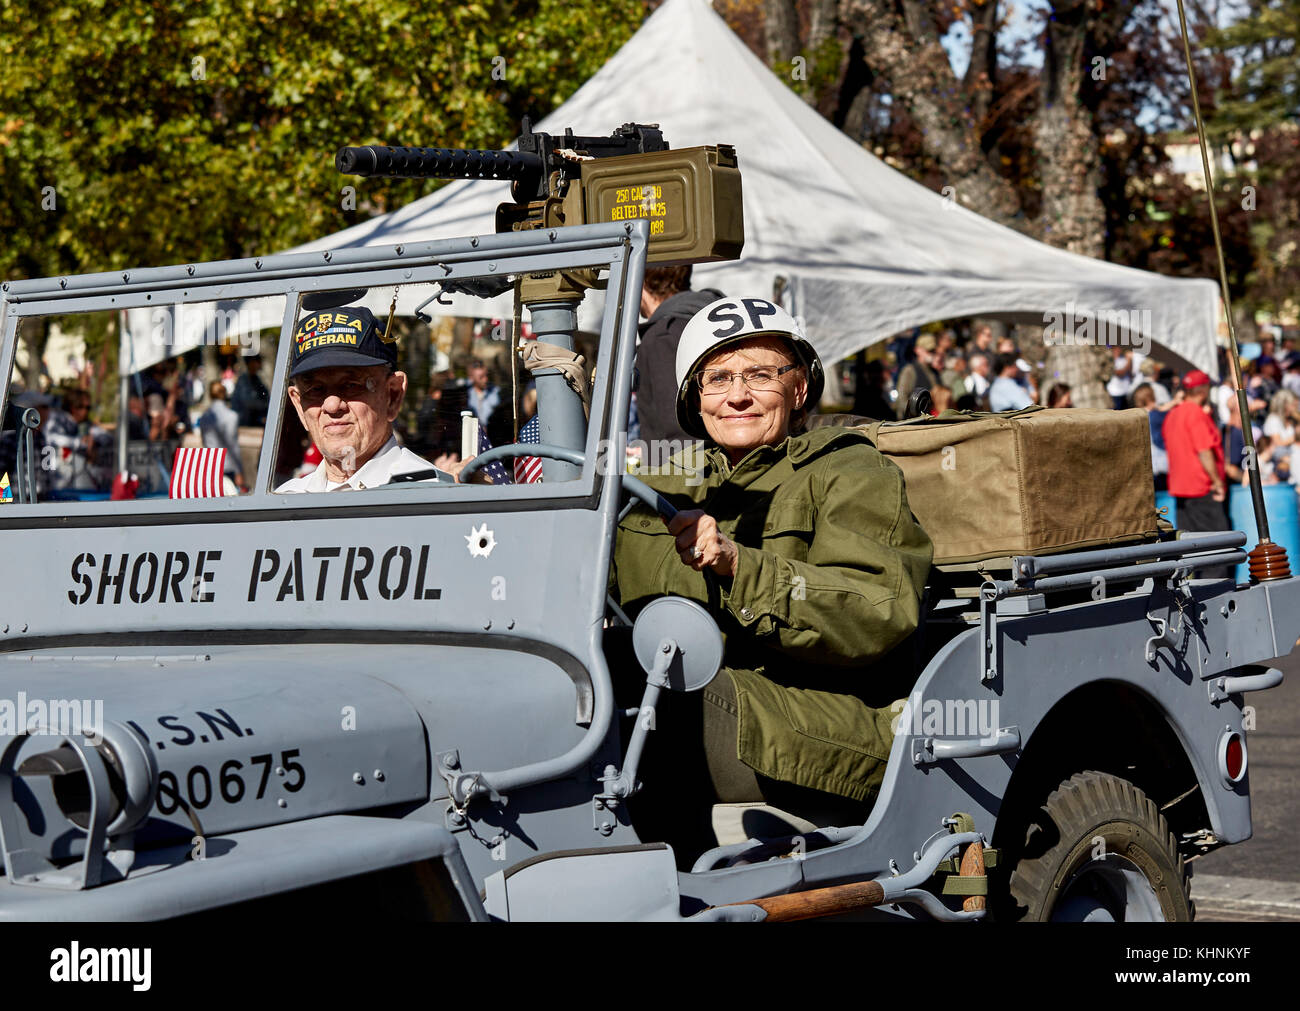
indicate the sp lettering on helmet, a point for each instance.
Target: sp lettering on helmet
{"x":743,"y":314}
{"x":730,"y":321}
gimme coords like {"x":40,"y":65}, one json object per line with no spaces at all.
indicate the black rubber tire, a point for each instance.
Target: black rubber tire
{"x":1086,"y":806}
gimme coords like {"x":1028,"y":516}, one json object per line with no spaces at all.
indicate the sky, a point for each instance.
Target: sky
{"x":1025,"y":18}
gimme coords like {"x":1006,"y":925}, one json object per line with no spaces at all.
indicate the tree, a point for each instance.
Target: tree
{"x":173,"y":131}
{"x":1266,"y":91}
{"x":176,"y":131}
{"x":1077,"y":41}
{"x":901,"y":44}
{"x":1155,"y":219}
{"x":958,"y":120}
{"x":1053,"y":151}
{"x":1257,"y":113}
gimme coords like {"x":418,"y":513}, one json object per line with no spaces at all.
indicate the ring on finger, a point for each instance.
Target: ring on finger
{"x":695,"y":552}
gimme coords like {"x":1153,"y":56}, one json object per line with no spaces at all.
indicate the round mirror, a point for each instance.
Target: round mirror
{"x":699,"y":653}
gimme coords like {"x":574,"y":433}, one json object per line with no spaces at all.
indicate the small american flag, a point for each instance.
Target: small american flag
{"x":197,"y":473}
{"x":494,"y":471}
{"x":528,"y":469}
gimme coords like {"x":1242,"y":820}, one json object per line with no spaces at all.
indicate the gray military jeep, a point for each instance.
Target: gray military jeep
{"x":399,"y":700}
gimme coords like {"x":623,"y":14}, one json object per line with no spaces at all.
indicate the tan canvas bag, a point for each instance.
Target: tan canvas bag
{"x":1024,"y":482}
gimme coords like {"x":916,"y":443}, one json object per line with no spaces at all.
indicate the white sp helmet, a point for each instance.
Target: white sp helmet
{"x":729,"y":321}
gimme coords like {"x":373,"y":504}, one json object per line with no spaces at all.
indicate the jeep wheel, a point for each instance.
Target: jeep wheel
{"x":1100,"y":851}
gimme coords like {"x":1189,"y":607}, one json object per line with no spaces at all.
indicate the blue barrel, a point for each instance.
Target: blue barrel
{"x":1283,"y":520}
{"x":1165,"y":501}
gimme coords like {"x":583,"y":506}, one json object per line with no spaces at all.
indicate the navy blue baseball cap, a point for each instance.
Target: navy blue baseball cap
{"x":333,"y":337}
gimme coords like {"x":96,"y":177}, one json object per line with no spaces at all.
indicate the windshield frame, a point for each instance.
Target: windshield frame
{"x":606,"y":246}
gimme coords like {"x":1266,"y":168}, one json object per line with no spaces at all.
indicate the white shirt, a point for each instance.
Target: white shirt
{"x":1221,"y":394}
{"x":1119,"y":386}
{"x":1007,"y":395}
{"x":381,"y":468}
{"x":1274,"y":426}
{"x":483,"y":404}
{"x":1121,"y":383}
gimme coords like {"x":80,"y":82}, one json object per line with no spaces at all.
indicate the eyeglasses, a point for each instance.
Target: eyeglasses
{"x":715,"y":382}
{"x":314,"y":394}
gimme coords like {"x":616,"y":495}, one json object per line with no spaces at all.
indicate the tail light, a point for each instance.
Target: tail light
{"x":1232,"y":756}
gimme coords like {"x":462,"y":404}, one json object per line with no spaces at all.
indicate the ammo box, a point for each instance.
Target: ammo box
{"x":1034,"y":481}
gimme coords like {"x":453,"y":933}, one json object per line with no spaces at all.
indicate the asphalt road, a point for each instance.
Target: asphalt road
{"x":1260,"y":878}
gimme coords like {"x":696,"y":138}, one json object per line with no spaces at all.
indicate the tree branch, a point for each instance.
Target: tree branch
{"x":922,"y":81}
{"x":981,"y":71}
{"x":919,"y":20}
{"x":823,"y":23}
{"x":781,"y":31}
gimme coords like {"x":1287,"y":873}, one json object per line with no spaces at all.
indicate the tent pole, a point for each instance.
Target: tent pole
{"x":123,"y":415}
{"x":124,"y":394}
{"x":1268,"y":560}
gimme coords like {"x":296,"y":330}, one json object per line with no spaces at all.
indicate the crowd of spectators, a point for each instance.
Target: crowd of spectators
{"x":169,"y":404}
{"x":981,"y":372}
{"x":1271,"y":378}
{"x":977,"y":372}
{"x":76,"y":445}
{"x":483,"y":391}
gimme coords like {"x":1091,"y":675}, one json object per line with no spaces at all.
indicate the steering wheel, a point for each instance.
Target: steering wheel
{"x":634,"y":486}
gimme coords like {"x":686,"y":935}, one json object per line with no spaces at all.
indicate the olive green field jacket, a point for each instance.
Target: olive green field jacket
{"x":831,"y":568}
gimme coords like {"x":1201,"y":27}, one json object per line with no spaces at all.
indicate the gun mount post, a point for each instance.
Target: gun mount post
{"x":561,"y":418}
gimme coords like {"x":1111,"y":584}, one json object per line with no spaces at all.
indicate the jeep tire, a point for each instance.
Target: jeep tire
{"x":1099,"y":850}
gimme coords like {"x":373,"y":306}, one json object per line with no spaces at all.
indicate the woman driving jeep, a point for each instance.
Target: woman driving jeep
{"x":802,"y":547}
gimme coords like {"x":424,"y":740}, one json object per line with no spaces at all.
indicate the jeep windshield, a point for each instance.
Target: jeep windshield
{"x":188,"y":358}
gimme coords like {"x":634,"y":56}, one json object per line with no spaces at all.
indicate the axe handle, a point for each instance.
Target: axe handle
{"x":819,"y":902}
{"x":972,"y":865}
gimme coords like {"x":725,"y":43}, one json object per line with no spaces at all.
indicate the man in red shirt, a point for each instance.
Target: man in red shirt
{"x":1196,"y":472}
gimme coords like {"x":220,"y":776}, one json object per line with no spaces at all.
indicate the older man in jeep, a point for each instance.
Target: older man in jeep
{"x":346,"y":388}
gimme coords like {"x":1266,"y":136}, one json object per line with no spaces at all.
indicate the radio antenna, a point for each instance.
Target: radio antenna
{"x":1268,"y":559}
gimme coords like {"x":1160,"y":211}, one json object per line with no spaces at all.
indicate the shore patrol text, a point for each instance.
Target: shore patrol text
{"x":300,"y":574}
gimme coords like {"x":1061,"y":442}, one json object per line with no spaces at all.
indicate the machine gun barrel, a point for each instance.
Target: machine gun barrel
{"x":437,"y":163}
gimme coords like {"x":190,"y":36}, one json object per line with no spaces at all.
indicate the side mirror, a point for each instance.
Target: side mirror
{"x":29,"y":421}
{"x":680,"y":647}
{"x":677,"y":643}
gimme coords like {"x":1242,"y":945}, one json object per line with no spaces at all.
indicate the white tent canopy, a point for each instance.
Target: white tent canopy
{"x":865,"y":251}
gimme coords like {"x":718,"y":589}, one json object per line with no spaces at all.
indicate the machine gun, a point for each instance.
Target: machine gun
{"x":691,"y":197}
